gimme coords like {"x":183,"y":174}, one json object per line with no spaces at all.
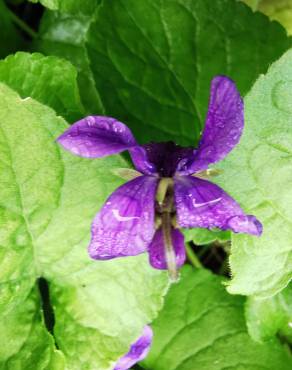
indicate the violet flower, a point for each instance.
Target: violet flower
{"x":168,"y":191}
{"x":138,"y":350}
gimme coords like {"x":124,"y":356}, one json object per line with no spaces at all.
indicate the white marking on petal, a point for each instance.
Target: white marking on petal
{"x":123,"y":218}
{"x":214,"y":201}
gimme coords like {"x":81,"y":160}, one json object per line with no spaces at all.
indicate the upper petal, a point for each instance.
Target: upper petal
{"x":199,"y":203}
{"x":138,"y":350}
{"x":223,"y":126}
{"x":141,"y":161}
{"x":157,"y":250}
{"x":125,"y":224}
{"x":97,"y":136}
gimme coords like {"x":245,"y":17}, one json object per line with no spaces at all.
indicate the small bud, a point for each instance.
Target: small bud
{"x":126,"y":173}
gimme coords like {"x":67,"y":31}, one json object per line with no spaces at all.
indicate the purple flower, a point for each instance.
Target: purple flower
{"x":138,"y":350}
{"x":169,"y":190}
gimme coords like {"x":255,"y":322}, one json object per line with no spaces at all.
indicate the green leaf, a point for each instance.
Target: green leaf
{"x":267,"y":317}
{"x":258,"y":173}
{"x":48,"y":198}
{"x":201,"y":327}
{"x":10,"y":38}
{"x":252,"y":3}
{"x":50,"y":80}
{"x":204,"y":236}
{"x":70,"y":6}
{"x":278,"y":10}
{"x":153,"y":60}
{"x":24,"y":339}
{"x":64,"y":35}
{"x":51,"y":4}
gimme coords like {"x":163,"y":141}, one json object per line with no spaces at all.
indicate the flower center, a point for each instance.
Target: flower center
{"x":165,"y":156}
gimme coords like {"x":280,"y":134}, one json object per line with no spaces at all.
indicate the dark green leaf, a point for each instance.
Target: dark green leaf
{"x":278,"y":10}
{"x":64,"y":35}
{"x":153,"y":60}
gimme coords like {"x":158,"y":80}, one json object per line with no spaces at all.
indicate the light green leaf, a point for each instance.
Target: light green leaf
{"x":267,"y":317}
{"x":50,"y":80}
{"x":48,"y":198}
{"x":201,"y":327}
{"x":70,"y":6}
{"x":204,"y":236}
{"x":153,"y":60}
{"x":51,"y":4}
{"x":258,"y":173}
{"x":23,"y":336}
{"x":64,"y":35}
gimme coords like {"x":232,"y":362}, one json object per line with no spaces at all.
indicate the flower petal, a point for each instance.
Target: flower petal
{"x":97,"y":136}
{"x":223,"y":127}
{"x":125,"y":224}
{"x":157,"y":252}
{"x":138,"y":350}
{"x":199,"y":203}
{"x":141,"y":161}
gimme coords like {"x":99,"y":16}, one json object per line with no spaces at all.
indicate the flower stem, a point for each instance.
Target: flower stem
{"x":164,"y":198}
{"x":193,"y":257}
{"x":22,"y":25}
{"x":169,"y":250}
